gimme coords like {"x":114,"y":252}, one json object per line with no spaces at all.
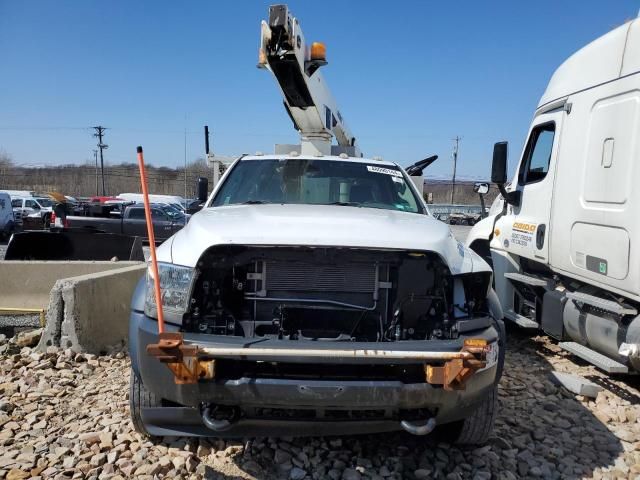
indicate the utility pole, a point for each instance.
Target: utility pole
{"x":455,"y":163}
{"x":99,"y":134}
{"x":95,"y":157}
{"x":185,"y":169}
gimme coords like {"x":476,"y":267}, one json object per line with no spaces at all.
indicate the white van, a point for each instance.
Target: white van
{"x":8,"y":223}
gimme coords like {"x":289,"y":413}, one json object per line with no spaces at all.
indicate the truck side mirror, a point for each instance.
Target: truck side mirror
{"x":203,"y":189}
{"x":499,"y":173}
{"x":499,"y":165}
{"x":481,"y":188}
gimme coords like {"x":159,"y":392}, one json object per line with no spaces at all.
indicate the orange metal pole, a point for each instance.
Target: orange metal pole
{"x":152,"y":241}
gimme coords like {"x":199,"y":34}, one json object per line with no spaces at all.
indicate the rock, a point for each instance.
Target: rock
{"x":297,"y":474}
{"x":336,"y":443}
{"x":29,"y":338}
{"x":281,"y":456}
{"x":90,"y":437}
{"x":191,"y":464}
{"x":252,"y":467}
{"x":178,"y":462}
{"x":334,"y":474}
{"x":4,"y":418}
{"x":422,"y":473}
{"x":351,"y":474}
{"x":98,"y":459}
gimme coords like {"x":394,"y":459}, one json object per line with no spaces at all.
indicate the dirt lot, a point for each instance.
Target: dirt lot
{"x":66,"y":416}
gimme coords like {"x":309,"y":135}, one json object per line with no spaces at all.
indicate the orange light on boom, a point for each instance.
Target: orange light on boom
{"x":318,"y":51}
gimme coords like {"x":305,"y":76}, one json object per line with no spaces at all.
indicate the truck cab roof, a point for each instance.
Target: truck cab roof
{"x":613,"y":55}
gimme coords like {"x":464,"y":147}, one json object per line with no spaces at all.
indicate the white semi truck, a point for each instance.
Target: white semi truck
{"x":564,"y":238}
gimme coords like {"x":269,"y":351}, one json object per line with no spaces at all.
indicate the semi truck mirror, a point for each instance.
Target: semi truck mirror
{"x":481,"y":188}
{"x":499,"y":173}
{"x":499,"y":165}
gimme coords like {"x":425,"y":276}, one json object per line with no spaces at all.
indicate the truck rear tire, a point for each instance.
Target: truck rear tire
{"x":140,"y":397}
{"x":476,"y":429}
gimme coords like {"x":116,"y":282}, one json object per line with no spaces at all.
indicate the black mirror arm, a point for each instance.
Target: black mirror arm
{"x":512,"y":198}
{"x":418,"y":167}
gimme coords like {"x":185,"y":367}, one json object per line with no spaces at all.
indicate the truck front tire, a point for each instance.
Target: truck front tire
{"x":476,"y":429}
{"x":140,"y":397}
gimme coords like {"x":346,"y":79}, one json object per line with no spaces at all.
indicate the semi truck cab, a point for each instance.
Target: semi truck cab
{"x":564,"y":239}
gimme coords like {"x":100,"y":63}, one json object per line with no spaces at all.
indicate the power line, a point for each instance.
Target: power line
{"x":99,"y":133}
{"x":455,"y":164}
{"x":95,"y":156}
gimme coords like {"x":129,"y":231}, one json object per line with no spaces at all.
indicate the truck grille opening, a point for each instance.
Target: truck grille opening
{"x":322,"y":293}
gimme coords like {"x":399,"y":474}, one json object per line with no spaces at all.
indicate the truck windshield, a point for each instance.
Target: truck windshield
{"x":317,"y":182}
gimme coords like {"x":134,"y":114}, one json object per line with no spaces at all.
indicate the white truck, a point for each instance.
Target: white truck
{"x":564,"y":238}
{"x":315,"y":294}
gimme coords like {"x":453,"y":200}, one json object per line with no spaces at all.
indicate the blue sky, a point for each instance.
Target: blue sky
{"x":408,"y":75}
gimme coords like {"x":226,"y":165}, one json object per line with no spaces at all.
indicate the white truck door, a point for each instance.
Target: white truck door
{"x":526,"y":227}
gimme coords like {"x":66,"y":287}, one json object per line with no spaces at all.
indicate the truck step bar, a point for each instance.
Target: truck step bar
{"x":597,"y":359}
{"x":601,"y":303}
{"x":521,"y":320}
{"x":530,"y":280}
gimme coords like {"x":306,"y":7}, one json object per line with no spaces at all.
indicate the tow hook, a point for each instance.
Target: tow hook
{"x":414,"y":429}
{"x":182,"y":359}
{"x":454,"y":374}
{"x":215,"y":424}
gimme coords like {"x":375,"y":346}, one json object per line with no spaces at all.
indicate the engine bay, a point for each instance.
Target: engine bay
{"x":330,"y":293}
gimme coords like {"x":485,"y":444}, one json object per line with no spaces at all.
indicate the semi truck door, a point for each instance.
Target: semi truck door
{"x":527,"y":228}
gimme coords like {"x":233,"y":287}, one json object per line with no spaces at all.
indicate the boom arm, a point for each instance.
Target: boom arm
{"x":314,"y":111}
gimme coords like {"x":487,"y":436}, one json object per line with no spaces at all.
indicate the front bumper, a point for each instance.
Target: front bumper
{"x":296,"y":406}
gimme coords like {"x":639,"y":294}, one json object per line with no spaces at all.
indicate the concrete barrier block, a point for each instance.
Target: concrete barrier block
{"x":54,"y":316}
{"x":96,"y":309}
{"x":27,"y":284}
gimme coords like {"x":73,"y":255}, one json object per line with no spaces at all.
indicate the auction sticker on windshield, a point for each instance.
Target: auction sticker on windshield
{"x":386,"y":171}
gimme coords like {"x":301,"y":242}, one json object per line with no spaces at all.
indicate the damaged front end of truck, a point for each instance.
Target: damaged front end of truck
{"x":311,"y":340}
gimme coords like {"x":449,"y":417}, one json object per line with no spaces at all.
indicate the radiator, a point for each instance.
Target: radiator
{"x":310,"y":277}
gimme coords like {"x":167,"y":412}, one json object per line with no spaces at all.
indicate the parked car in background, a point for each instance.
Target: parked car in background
{"x":130,"y":220}
{"x":33,"y":207}
{"x":463,"y":218}
{"x":8,"y":223}
{"x":174,"y":200}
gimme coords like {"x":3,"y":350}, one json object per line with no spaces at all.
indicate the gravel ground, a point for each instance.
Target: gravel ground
{"x":64,"y":415}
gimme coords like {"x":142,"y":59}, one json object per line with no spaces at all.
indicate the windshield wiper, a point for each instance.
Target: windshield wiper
{"x":345,"y":204}
{"x":254,"y":202}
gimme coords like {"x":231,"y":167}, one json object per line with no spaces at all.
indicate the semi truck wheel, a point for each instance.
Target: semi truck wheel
{"x":140,"y":397}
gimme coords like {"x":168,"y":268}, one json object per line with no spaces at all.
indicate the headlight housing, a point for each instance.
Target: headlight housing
{"x":176,"y":283}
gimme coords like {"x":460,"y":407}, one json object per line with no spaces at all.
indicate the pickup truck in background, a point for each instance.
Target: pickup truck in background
{"x":130,"y":220}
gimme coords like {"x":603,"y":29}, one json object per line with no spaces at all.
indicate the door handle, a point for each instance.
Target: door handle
{"x":540,"y":236}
